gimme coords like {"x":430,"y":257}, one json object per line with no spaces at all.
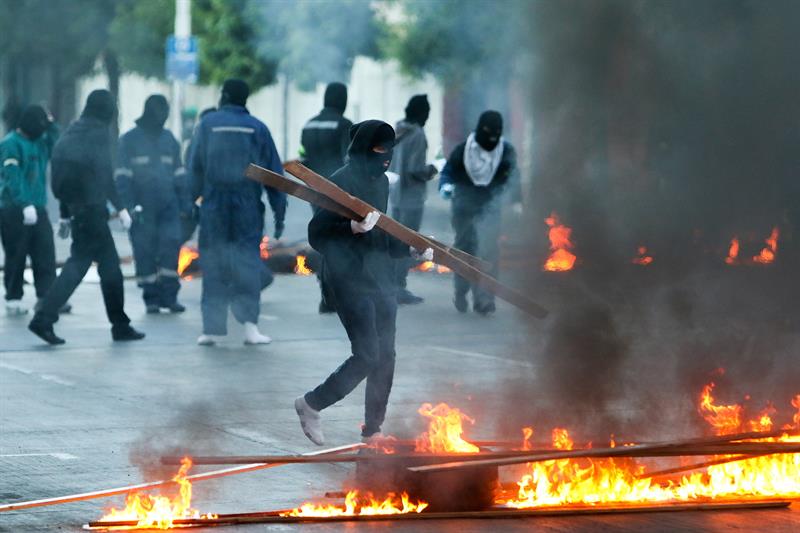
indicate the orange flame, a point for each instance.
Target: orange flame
{"x":444,"y":430}
{"x":733,"y":252}
{"x":263,"y":248}
{"x":560,"y":259}
{"x":767,"y":254}
{"x":642,"y":259}
{"x":725,"y":419}
{"x":357,"y":505}
{"x":159,"y":512}
{"x":186,"y":256}
{"x":430,"y":266}
{"x":527,"y":433}
{"x":300,"y":266}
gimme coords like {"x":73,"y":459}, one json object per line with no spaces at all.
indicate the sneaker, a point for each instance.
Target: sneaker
{"x":484,"y":309}
{"x":45,"y":333}
{"x":15,"y":308}
{"x":254,"y":337}
{"x":175,"y":307}
{"x":460,"y":302}
{"x":309,"y":421}
{"x":126,"y":333}
{"x":406,"y":297}
{"x":209,"y":340}
{"x":65,"y":309}
{"x":152,"y":309}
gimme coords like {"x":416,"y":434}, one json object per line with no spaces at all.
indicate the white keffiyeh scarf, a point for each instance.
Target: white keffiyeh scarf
{"x":480,"y":164}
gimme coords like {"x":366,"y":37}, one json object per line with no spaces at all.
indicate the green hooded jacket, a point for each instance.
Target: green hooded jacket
{"x":23,"y":168}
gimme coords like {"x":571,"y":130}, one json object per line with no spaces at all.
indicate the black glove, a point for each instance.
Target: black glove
{"x":64,"y":227}
{"x":279,"y":227}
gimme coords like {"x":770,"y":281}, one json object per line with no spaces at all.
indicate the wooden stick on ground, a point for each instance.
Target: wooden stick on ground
{"x":697,"y":466}
{"x":158,"y":484}
{"x":298,"y":190}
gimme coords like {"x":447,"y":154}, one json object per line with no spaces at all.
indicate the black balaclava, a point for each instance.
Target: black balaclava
{"x":336,"y":96}
{"x":418,"y":109}
{"x":100,"y":105}
{"x":489,"y":130}
{"x":33,"y":122}
{"x":234,"y":92}
{"x":156,"y":112}
{"x":365,"y":136}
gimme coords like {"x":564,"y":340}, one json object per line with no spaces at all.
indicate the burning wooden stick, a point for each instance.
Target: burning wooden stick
{"x":697,"y":466}
{"x":158,"y":484}
{"x":407,"y":236}
{"x":298,"y":190}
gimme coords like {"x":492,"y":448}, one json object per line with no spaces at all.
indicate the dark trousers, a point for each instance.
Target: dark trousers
{"x":477,"y":230}
{"x":369,"y":319}
{"x":19,"y":243}
{"x":411,"y":218}
{"x":91,"y":242}
{"x":155,"y":238}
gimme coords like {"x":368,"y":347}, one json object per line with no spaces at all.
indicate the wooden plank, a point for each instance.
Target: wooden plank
{"x":298,"y":190}
{"x":414,"y":239}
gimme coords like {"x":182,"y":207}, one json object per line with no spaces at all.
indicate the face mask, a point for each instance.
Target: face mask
{"x":33,"y":123}
{"x":378,"y":163}
{"x":487,"y":138}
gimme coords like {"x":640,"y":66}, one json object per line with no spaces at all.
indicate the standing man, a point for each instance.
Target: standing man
{"x":409,"y":193}
{"x":83,"y":183}
{"x":152,"y":185}
{"x":323,"y":148}
{"x":475,"y":177}
{"x":232,"y":213}
{"x":24,"y":225}
{"x":360,"y":271}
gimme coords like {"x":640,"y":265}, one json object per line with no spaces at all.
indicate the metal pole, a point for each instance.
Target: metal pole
{"x":183,"y":29}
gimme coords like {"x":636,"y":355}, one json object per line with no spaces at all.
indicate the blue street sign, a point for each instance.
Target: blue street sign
{"x":182,"y":61}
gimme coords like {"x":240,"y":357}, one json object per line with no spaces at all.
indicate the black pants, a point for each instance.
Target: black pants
{"x":411,"y":218}
{"x":91,"y":241}
{"x":477,"y":230}
{"x":19,"y":243}
{"x":369,"y":319}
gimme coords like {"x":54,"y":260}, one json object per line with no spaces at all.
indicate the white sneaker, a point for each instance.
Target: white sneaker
{"x":15,"y":308}
{"x":209,"y":340}
{"x":309,"y":421}
{"x":252,"y":336}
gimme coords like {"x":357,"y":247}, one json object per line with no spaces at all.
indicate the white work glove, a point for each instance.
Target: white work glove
{"x":64,"y":227}
{"x":125,"y":219}
{"x":29,"y":216}
{"x":426,"y":255}
{"x":367,"y":224}
{"x":446,"y":191}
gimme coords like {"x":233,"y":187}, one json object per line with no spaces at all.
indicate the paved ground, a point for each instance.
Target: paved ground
{"x":75,"y":418}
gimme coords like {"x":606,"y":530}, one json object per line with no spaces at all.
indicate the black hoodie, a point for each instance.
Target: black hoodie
{"x":358,"y":262}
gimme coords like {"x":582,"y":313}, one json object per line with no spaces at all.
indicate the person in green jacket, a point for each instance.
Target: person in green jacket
{"x":25,"y":228}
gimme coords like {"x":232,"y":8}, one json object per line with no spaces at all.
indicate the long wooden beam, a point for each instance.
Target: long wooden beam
{"x":301,"y":191}
{"x":158,"y":484}
{"x":414,"y":239}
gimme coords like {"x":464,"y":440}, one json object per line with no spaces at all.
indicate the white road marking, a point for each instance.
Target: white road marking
{"x":16,"y":368}
{"x":269,"y":317}
{"x":56,"y":379}
{"x":56,"y":455}
{"x":483,"y":356}
{"x":45,"y":377}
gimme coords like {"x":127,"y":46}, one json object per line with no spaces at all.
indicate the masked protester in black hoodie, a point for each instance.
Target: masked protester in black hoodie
{"x":83,"y":183}
{"x":360,"y":271}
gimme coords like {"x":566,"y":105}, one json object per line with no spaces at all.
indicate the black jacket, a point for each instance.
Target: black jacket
{"x":325,"y":140}
{"x":81,"y":166}
{"x":357,"y":262}
{"x":469,"y":195}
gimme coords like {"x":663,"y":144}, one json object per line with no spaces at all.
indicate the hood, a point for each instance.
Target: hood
{"x":418,"y":109}
{"x":100,"y":105}
{"x":33,"y":122}
{"x":336,"y":96}
{"x":363,"y":137}
{"x":156,"y":112}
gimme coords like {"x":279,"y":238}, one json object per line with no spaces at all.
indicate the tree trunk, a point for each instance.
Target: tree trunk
{"x":111,"y":64}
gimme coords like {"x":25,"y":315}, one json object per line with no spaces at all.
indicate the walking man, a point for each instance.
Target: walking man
{"x":360,"y":271}
{"x":83,"y":183}
{"x":232,"y":213}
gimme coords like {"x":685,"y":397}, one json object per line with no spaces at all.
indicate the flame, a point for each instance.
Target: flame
{"x":733,"y":252}
{"x":527,"y":433}
{"x":642,"y":259}
{"x":264,"y":248}
{"x":159,"y":512}
{"x":358,"y":505}
{"x":300,"y":267}
{"x":725,"y":419}
{"x":444,"y":430}
{"x":560,"y":259}
{"x":186,"y":256}
{"x":430,"y":266}
{"x":767,"y":254}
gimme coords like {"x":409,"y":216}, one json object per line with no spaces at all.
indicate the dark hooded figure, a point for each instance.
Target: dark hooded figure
{"x":324,"y":145}
{"x":409,"y":193}
{"x":232,"y":213}
{"x":83,"y":183}
{"x":359,"y":269}
{"x":25,"y":227}
{"x":475,"y":177}
{"x":152,"y":185}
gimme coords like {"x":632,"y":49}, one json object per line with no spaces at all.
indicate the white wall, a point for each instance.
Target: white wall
{"x":377,"y":90}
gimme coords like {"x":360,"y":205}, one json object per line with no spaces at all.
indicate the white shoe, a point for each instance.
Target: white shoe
{"x":15,"y":308}
{"x":252,"y":336}
{"x":309,"y":421}
{"x":209,"y":340}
